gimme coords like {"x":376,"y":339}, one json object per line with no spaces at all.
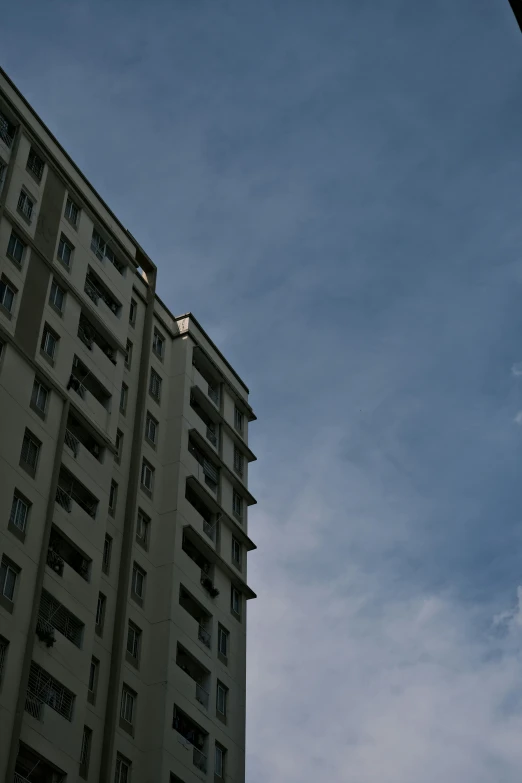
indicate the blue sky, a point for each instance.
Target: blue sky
{"x":333,"y":188}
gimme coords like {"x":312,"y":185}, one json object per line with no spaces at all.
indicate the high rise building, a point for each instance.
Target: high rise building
{"x":123,"y":497}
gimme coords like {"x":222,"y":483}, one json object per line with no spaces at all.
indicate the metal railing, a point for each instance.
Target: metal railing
{"x":199,"y":759}
{"x":213,"y":393}
{"x":20,"y":778}
{"x":204,"y":636}
{"x":85,"y":337}
{"x":55,"y":561}
{"x":34,"y":706}
{"x":202,"y":695}
{"x":63,"y":499}
{"x":212,"y":436}
{"x":91,"y":291}
{"x":4,"y":135}
{"x":209,"y":529}
{"x":24,"y":205}
{"x":72,"y":442}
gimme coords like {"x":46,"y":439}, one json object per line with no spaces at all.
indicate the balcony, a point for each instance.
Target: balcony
{"x":197,"y":673}
{"x":45,"y":690}
{"x":198,"y":613}
{"x":33,"y":768}
{"x":209,"y":471}
{"x":100,"y":295}
{"x":205,"y":567}
{"x":209,"y":519}
{"x":206,"y":377}
{"x":62,"y":552}
{"x":193,"y":735}
{"x":95,"y":397}
{"x":71,"y":492}
{"x":78,"y":439}
{"x":102,"y":349}
{"x":208,"y":426}
{"x":7,"y":130}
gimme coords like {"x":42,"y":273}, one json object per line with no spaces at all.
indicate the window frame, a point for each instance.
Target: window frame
{"x":36,"y":166}
{"x":222,"y":755}
{"x":155,"y":379}
{"x":237,"y":505}
{"x":221,"y":689}
{"x":32,"y":441}
{"x":236,"y":547}
{"x":113,"y":497}
{"x":8,"y":567}
{"x":155,"y":423}
{"x":101,"y":606}
{"x":107,"y":553}
{"x":135,"y":650}
{"x":67,"y":212}
{"x":15,"y":242}
{"x":223,"y":633}
{"x":121,"y":762}
{"x":144,"y":520}
{"x":56,"y":288}
{"x":124,"y":398}
{"x":48,"y":332}
{"x":239,"y":418}
{"x":127,"y":356}
{"x":18,"y":498}
{"x":25,"y":205}
{"x":234,"y":592}
{"x":38,"y":387}
{"x":118,"y":444}
{"x":8,"y":287}
{"x":63,"y":243}
{"x":138,"y":571}
{"x":128,"y":698}
{"x":146,"y":467}
{"x":133,"y":310}
{"x":158,"y":339}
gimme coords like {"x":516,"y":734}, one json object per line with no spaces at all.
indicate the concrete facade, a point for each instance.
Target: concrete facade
{"x":123,"y":497}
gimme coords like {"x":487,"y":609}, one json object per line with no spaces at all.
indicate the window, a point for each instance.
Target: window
{"x":97,"y":245}
{"x":236,"y":552}
{"x":72,"y":211}
{"x":219,"y":761}
{"x":238,"y":419}
{"x":138,"y":581}
{"x":123,"y":397}
{"x":25,"y":205}
{"x":147,"y":476}
{"x":128,"y":702}
{"x":7,"y":130}
{"x":8,"y":576}
{"x":16,"y":248}
{"x":39,"y":396}
{"x":4,"y":644}
{"x":107,"y":551}
{"x":237,"y":505}
{"x":223,"y":641}
{"x":3,"y":169}
{"x":143,"y":529}
{"x":133,"y":640}
{"x":30,"y":452}
{"x":113,"y":497}
{"x":7,"y":295}
{"x":93,"y":679}
{"x":238,"y":461}
{"x":221,"y":699}
{"x":158,"y":344}
{"x":35,"y":164}
{"x":235,"y":601}
{"x":132,"y":312}
{"x":128,"y":354}
{"x":155,"y":385}
{"x":65,"y":251}
{"x":151,"y":429}
{"x":123,"y":770}
{"x":19,"y":512}
{"x":49,"y":342}
{"x":100,"y":611}
{"x":85,"y":751}
{"x":119,"y":445}
{"x":57,"y":297}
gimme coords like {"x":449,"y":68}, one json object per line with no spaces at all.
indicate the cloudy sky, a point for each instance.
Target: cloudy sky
{"x":333,"y":187}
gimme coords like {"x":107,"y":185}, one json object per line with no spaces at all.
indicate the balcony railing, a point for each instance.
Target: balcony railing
{"x":63,"y":499}
{"x":209,"y":529}
{"x":34,"y":705}
{"x":199,"y":759}
{"x":202,"y":695}
{"x":85,"y":337}
{"x":213,"y":393}
{"x":77,"y":386}
{"x":20,"y":778}
{"x":6,"y":137}
{"x":204,"y":636}
{"x":91,"y":291}
{"x":72,"y":442}
{"x":55,"y":561}
{"x":212,"y":436}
